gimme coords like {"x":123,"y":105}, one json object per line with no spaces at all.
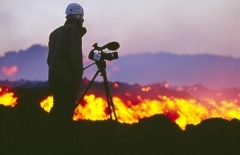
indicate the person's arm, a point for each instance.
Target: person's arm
{"x":74,"y":54}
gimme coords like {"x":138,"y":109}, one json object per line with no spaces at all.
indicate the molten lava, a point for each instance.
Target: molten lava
{"x":47,"y":103}
{"x":181,"y":111}
{"x":182,"y":105}
{"x":7,"y":97}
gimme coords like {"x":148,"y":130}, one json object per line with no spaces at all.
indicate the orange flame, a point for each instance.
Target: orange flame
{"x":47,"y":103}
{"x":181,"y":111}
{"x":7,"y":98}
{"x":146,"y":89}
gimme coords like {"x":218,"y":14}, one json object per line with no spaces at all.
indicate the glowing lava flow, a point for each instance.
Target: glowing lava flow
{"x":47,"y":103}
{"x":181,"y":111}
{"x":7,"y":98}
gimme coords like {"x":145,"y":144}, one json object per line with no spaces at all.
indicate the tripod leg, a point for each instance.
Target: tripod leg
{"x":109,"y":96}
{"x":89,"y":85}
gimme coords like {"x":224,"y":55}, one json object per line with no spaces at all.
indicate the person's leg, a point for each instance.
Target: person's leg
{"x":62,"y":114}
{"x":64,"y":103}
{"x":69,"y":104}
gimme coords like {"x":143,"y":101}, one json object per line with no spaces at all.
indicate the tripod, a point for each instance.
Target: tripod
{"x":102,"y":70}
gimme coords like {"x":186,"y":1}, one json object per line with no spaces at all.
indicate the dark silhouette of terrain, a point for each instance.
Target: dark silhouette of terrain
{"x":28,"y":130}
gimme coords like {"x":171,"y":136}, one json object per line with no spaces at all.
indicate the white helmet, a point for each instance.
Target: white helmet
{"x":74,"y":8}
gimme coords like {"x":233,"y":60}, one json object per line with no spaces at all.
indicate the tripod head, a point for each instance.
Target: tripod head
{"x":97,"y":53}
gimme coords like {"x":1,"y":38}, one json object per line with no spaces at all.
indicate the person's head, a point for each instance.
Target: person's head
{"x":75,"y":11}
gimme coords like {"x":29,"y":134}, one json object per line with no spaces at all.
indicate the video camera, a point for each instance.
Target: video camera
{"x":97,"y":53}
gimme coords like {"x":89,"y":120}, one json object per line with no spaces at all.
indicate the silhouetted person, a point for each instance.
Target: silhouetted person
{"x":65,"y":63}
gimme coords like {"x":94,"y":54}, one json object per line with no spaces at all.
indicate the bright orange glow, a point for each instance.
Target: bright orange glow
{"x":181,"y":111}
{"x":9,"y":71}
{"x":166,"y":85}
{"x":146,"y":89}
{"x":115,"y":85}
{"x":47,"y":103}
{"x":7,"y":98}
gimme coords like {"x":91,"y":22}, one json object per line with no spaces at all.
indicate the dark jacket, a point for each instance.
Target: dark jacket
{"x":65,"y":60}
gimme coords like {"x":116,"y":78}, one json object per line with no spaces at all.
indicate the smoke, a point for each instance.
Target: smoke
{"x":29,"y":64}
{"x":212,"y":71}
{"x":9,"y":71}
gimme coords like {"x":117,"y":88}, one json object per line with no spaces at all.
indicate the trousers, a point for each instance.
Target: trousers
{"x":64,"y":103}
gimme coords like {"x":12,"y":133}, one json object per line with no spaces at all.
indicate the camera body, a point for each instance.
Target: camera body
{"x":100,"y":55}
